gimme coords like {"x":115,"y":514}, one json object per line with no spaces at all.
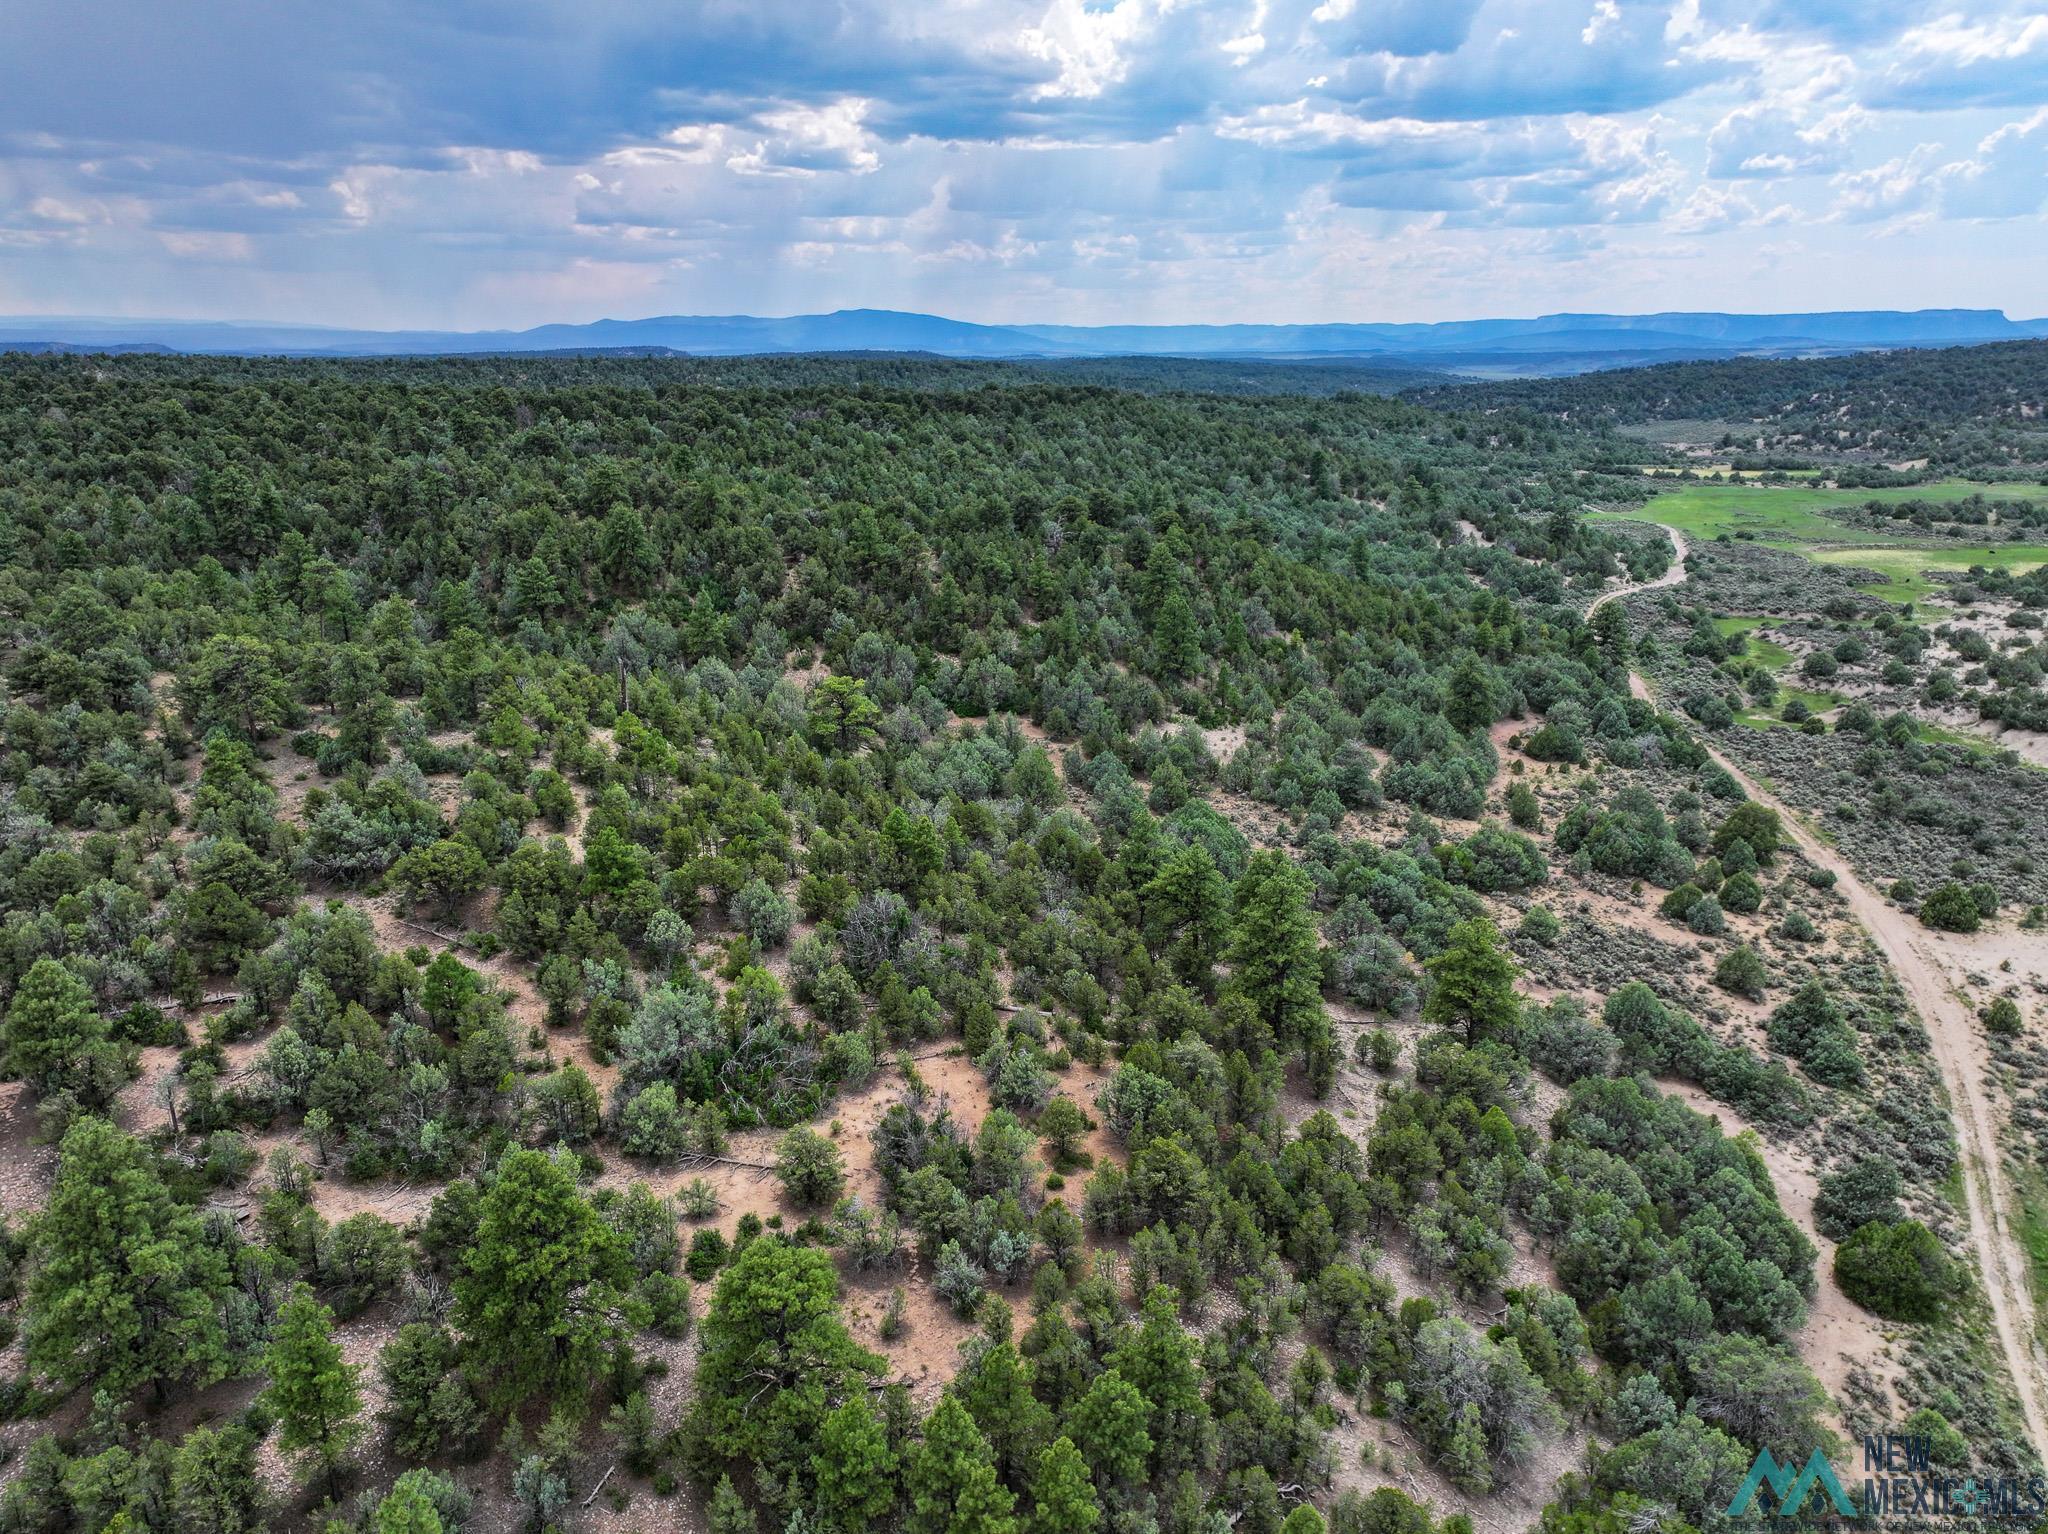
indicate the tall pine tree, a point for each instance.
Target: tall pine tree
{"x":1187,"y":913}
{"x":539,"y":1284}
{"x":1063,"y":1499}
{"x":1159,"y":1360}
{"x":775,"y":1355}
{"x":53,"y":1029}
{"x":1472,"y":984}
{"x":125,"y":1292}
{"x":1108,"y":1426}
{"x":1275,"y":960}
{"x":855,"y":1468}
{"x":312,"y":1387}
{"x":952,"y":1483}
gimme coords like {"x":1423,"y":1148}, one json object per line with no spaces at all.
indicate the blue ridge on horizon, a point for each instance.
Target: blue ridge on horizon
{"x":1587,"y":339}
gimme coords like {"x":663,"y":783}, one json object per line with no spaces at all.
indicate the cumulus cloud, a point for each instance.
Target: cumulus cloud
{"x":1763,"y":140}
{"x":1523,"y":57}
{"x":2007,"y":177}
{"x":474,"y":162}
{"x":1903,"y":184}
{"x":1711,"y":209}
{"x":1957,"y":59}
{"x":1844,"y":23}
{"x":808,"y":140}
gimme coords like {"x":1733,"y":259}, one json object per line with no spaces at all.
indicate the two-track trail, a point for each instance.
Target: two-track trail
{"x":1926,"y":963}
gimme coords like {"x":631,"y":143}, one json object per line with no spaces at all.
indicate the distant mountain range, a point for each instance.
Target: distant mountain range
{"x":1552,"y":343}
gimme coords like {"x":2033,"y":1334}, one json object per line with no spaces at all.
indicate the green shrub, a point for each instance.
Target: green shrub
{"x":1742,"y":972}
{"x":1380,"y":1049}
{"x":708,"y":1251}
{"x":2002,"y":1017}
{"x":1812,"y":1030}
{"x":1945,"y":1446}
{"x":1951,"y":908}
{"x":1798,"y":927}
{"x":1556,"y":743}
{"x":1710,"y":709}
{"x":810,"y":1168}
{"x":1899,"y":1270}
{"x":1754,"y":823}
{"x":1540,"y":927}
{"x":1865,"y":1191}
{"x":1523,"y":808}
{"x":1742,"y":894}
{"x":1679,"y":903}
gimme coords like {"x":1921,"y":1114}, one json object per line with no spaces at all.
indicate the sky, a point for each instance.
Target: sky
{"x":462,"y":164}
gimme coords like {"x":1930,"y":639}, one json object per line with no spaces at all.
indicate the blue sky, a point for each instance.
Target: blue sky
{"x":468,"y":164}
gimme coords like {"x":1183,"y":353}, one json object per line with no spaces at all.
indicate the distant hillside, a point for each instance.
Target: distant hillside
{"x":658,"y":368}
{"x":1965,"y":406}
{"x":1230,"y":375}
{"x":1700,"y":333}
{"x":46,"y":348}
{"x":1548,"y":344}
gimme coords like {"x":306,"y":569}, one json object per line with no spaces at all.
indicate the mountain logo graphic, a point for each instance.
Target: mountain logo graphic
{"x":1790,"y":1490}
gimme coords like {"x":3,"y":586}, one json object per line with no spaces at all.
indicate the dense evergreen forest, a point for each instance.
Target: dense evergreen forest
{"x":822,"y":944}
{"x":1969,"y":407}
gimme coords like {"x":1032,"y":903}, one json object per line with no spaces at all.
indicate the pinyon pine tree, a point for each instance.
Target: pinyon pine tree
{"x":312,"y":1387}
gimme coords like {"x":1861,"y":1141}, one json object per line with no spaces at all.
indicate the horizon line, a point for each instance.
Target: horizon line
{"x":56,"y":318}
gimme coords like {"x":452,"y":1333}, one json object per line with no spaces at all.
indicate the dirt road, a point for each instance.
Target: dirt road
{"x":1927,"y":963}
{"x":1671,"y":577}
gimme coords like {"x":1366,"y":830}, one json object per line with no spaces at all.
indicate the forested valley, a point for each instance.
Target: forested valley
{"x":810,"y":945}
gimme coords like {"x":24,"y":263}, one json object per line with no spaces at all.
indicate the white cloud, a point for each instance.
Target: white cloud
{"x":358,"y":188}
{"x":1086,"y":44}
{"x":1713,"y":208}
{"x":1767,"y":140}
{"x":207,"y":245}
{"x":55,"y":210}
{"x":806,"y":141}
{"x":1957,"y":40}
{"x":2007,"y":177}
{"x":1903,"y":184}
{"x":1958,"y":60}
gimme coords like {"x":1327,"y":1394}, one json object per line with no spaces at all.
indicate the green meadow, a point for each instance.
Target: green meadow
{"x":1768,"y":651}
{"x":1905,"y":566}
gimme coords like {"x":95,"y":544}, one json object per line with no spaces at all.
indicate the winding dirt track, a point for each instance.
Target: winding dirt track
{"x":1926,"y":963}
